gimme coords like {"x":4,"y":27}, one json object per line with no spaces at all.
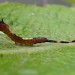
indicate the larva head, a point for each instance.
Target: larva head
{"x":3,"y":26}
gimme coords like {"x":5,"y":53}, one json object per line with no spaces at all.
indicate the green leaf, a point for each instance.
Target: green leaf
{"x":51,"y":21}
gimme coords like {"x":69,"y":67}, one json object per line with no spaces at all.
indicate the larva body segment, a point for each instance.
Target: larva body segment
{"x":20,"y":41}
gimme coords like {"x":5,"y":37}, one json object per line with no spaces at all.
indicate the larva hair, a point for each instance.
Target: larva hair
{"x":28,"y":42}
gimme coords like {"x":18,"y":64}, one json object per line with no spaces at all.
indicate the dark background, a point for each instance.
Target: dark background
{"x":39,"y":2}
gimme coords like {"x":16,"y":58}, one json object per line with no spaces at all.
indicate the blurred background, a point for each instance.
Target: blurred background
{"x":40,"y":2}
